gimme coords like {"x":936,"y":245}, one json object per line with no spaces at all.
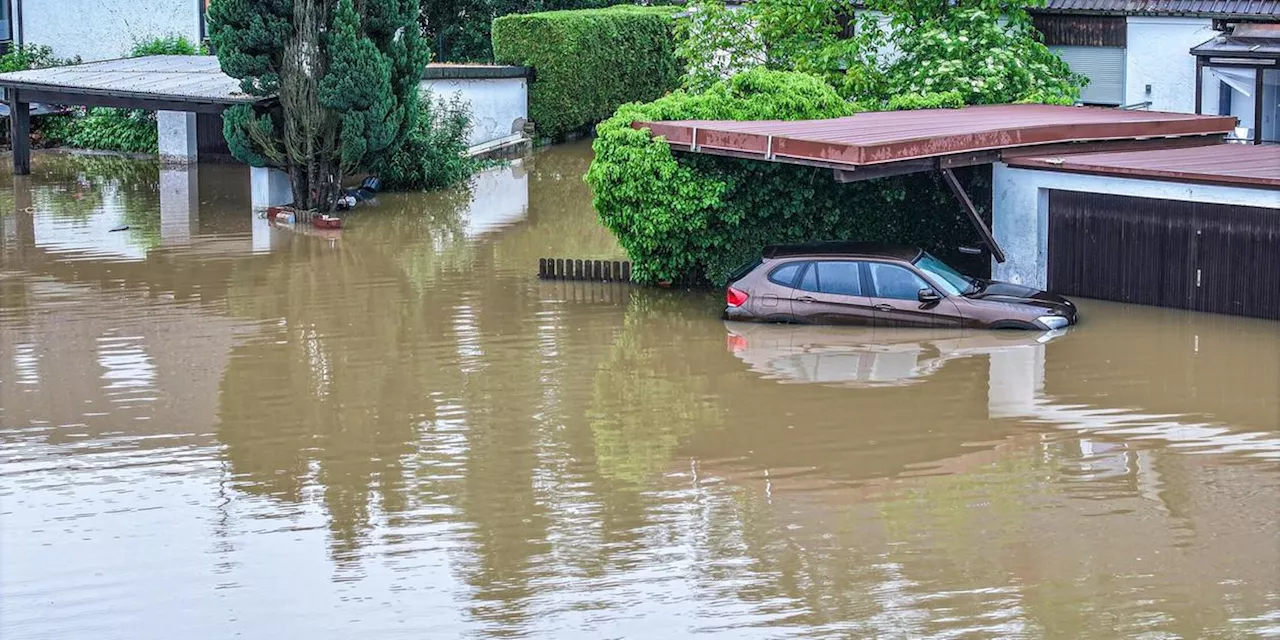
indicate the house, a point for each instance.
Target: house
{"x":98,"y":29}
{"x":1161,"y":55}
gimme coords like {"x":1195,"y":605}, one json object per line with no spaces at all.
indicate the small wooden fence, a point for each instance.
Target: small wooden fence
{"x":597,"y":270}
{"x":603,"y":271}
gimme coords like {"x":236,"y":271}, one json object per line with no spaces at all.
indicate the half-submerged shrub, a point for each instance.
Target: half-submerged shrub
{"x":434,"y":154}
{"x":702,"y":215}
{"x":588,"y":62}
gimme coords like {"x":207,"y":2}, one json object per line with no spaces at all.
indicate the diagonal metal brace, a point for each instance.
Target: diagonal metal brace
{"x":950,"y":179}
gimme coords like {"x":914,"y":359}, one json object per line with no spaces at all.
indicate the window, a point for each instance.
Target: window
{"x":840,"y":278}
{"x":810,"y":281}
{"x":6,"y":23}
{"x":892,"y":281}
{"x":952,"y":282}
{"x":786,"y":274}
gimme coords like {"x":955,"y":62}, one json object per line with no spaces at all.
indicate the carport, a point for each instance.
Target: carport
{"x":177,"y":88}
{"x":878,"y":144}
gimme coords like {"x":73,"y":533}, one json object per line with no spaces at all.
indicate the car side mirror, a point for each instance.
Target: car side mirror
{"x":928,"y":295}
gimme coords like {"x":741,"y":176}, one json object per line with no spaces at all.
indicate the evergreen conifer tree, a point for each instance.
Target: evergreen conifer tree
{"x":344,"y":75}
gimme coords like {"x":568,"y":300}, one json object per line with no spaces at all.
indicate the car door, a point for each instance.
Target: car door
{"x":830,"y":292}
{"x":895,"y":296}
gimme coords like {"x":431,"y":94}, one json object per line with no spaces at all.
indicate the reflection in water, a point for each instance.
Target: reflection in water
{"x":397,"y":430}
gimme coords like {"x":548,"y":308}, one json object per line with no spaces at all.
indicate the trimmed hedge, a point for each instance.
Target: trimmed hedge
{"x":590,"y":61}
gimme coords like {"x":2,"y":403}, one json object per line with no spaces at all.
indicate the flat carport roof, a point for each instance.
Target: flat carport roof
{"x":875,"y":144}
{"x":887,"y":143}
{"x":1236,"y":165}
{"x":157,"y":83}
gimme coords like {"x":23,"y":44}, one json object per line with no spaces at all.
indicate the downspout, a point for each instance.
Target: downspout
{"x":17,"y":20}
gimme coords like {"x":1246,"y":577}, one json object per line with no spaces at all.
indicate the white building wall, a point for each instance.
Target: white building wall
{"x":1159,"y":55}
{"x":499,"y":106}
{"x":105,"y":29}
{"x":1020,"y":211}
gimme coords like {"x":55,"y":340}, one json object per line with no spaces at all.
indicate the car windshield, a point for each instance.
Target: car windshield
{"x":952,"y":282}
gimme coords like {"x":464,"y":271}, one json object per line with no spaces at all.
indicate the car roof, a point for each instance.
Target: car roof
{"x":843,"y":249}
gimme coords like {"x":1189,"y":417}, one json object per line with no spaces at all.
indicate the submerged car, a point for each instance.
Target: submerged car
{"x":883,"y":286}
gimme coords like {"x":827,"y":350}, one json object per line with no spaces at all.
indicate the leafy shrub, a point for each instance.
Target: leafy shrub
{"x":123,"y":130}
{"x":703,"y":215}
{"x":434,"y":154}
{"x":30,"y":56}
{"x":172,"y":45}
{"x":590,"y":61}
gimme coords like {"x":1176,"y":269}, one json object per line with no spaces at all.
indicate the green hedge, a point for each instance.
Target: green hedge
{"x":703,"y":215}
{"x":589,"y":62}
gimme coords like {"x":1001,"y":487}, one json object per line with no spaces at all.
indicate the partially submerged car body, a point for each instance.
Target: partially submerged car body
{"x":883,"y":286}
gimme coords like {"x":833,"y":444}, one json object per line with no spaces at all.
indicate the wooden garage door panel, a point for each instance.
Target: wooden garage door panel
{"x":1208,"y":257}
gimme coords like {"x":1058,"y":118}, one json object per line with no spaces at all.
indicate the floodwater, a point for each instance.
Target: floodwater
{"x":211,"y":428}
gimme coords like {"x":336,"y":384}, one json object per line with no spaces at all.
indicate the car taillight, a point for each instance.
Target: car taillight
{"x":735,"y":298}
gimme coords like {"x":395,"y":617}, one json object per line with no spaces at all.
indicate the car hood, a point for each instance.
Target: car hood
{"x":1007,"y":293}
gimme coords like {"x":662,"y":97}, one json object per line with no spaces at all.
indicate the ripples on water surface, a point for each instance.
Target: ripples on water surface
{"x":211,"y":428}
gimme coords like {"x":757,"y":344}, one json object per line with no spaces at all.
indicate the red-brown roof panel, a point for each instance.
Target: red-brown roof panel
{"x":892,"y":136}
{"x":1234,"y":164}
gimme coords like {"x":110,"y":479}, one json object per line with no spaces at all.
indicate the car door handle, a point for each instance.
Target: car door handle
{"x":805,"y":299}
{"x":883,"y":307}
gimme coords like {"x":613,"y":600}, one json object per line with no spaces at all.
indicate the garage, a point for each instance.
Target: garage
{"x":1193,"y":228}
{"x":1165,"y":253}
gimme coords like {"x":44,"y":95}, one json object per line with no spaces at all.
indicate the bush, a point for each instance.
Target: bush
{"x":30,"y":56}
{"x":590,"y":61}
{"x":434,"y":154}
{"x":165,"y":46}
{"x":704,"y":215}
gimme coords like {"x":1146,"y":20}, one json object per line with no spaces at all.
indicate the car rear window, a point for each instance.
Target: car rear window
{"x":786,"y":274}
{"x":742,"y":271}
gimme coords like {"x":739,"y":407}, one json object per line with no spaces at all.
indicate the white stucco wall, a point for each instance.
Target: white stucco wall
{"x":1159,"y":54}
{"x":1020,"y":211}
{"x":105,"y":29}
{"x":499,"y":106}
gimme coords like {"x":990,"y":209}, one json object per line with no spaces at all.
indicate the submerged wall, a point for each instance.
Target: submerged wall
{"x":498,"y":97}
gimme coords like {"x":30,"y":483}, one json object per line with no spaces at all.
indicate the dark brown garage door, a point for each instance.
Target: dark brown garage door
{"x":1167,"y":253}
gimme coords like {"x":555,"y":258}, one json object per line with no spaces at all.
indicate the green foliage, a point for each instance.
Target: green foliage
{"x":986,"y":61}
{"x":460,"y":30}
{"x":30,"y":56}
{"x":589,"y":62}
{"x":351,"y":99}
{"x":173,"y":45}
{"x":705,"y":215}
{"x":123,"y":130}
{"x":987,"y":51}
{"x":434,"y":155}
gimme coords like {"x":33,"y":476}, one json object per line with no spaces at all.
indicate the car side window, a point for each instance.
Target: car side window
{"x":810,"y":280}
{"x":786,"y":274}
{"x":840,"y":278}
{"x":893,"y":281}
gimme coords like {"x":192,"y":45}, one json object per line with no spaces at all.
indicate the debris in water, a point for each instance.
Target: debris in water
{"x":123,"y":227}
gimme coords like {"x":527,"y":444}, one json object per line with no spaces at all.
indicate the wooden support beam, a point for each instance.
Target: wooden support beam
{"x":950,"y":179}
{"x":20,"y":132}
{"x":119,"y":100}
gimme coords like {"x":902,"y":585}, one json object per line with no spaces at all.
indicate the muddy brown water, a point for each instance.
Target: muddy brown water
{"x":211,"y":428}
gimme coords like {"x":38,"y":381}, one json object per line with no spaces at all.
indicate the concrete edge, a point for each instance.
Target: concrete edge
{"x":474,"y":72}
